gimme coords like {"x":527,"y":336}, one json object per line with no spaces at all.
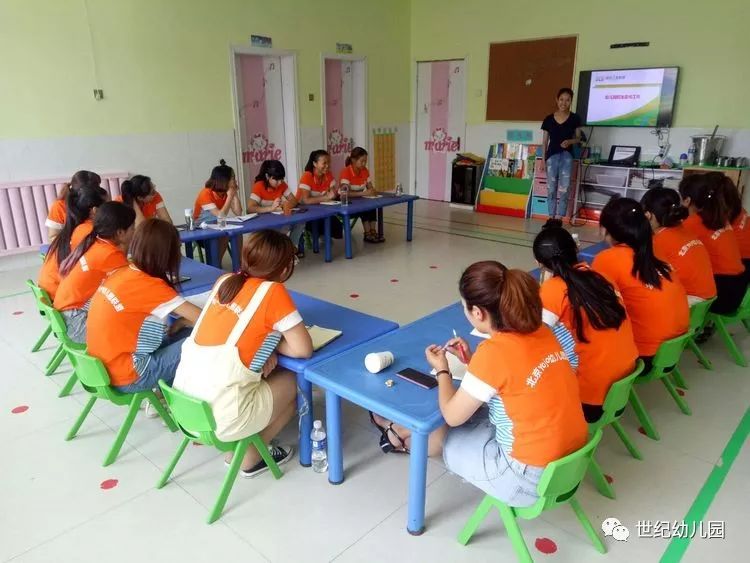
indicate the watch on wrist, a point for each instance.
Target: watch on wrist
{"x":445,"y":371}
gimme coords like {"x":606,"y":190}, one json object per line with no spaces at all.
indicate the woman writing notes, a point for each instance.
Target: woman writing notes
{"x":562,"y":130}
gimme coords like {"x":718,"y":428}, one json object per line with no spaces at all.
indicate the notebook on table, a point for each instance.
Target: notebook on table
{"x":322,"y":336}
{"x":457,"y":369}
{"x":241,"y":218}
{"x":330,"y":203}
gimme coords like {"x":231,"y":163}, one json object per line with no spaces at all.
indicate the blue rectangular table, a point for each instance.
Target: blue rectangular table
{"x":356,"y":328}
{"x":416,"y":408}
{"x":263,"y":221}
{"x":360,"y":204}
{"x":590,"y":252}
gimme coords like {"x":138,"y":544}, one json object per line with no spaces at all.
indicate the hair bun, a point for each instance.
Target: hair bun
{"x":223,"y":162}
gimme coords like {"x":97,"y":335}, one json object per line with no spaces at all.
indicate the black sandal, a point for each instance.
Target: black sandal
{"x":370,"y":238}
{"x":385,"y":442}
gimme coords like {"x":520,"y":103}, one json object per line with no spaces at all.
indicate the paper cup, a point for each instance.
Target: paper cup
{"x":378,"y":361}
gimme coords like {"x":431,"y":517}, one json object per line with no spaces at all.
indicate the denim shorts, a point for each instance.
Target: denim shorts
{"x":75,"y":322}
{"x":471,"y":452}
{"x":162,"y":364}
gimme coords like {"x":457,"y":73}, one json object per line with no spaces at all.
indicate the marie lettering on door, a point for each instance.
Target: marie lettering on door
{"x":441,"y":141}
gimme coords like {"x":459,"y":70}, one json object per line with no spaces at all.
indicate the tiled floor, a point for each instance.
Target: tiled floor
{"x":58,"y":504}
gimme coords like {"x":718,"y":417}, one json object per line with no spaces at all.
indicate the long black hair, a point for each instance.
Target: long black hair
{"x":270,"y":169}
{"x":314,"y":157}
{"x":706,"y":194}
{"x":221,"y":175}
{"x":78,"y":206}
{"x":731,"y":195}
{"x":111,"y":216}
{"x":589,"y":291}
{"x":624,"y":220}
{"x":665,"y":205}
{"x":137,"y":187}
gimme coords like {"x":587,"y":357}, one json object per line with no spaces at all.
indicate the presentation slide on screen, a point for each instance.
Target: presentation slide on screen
{"x":625,"y":97}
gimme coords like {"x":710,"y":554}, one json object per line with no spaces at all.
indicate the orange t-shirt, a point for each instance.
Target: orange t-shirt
{"x":608,"y":356}
{"x":357,"y":181}
{"x":532,"y":395}
{"x":149,"y":208}
{"x":126,"y":322}
{"x":277,"y":312}
{"x":722,"y":246}
{"x":316,"y":186}
{"x":656,"y":314}
{"x":49,"y":275}
{"x":79,"y":286}
{"x":56,"y":215}
{"x":741,"y":226}
{"x":208,"y":200}
{"x":265,"y":196}
{"x":689,"y":259}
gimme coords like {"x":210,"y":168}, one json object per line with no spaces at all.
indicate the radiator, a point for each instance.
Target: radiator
{"x":24,"y":206}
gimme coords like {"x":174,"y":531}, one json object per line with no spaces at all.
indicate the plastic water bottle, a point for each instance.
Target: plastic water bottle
{"x":189,"y":222}
{"x":691,"y":154}
{"x":344,"y":191}
{"x":399,"y":190}
{"x":319,"y":453}
{"x":683,"y":160}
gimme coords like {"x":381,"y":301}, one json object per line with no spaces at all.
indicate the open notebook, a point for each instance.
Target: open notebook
{"x":457,"y":369}
{"x":242,"y":218}
{"x":322,"y":336}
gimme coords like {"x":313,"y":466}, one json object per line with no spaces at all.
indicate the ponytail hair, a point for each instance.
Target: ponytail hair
{"x":706,"y":194}
{"x":624,"y":220}
{"x":137,"y":187}
{"x":314,"y":157}
{"x":510,"y":297}
{"x":665,"y":205}
{"x":78,"y":206}
{"x":80,"y":179}
{"x":270,"y":169}
{"x":357,"y":152}
{"x":111,"y":217}
{"x":732,"y":198}
{"x":588,"y":291}
{"x":268,"y":255}
{"x":220,"y":177}
{"x":155,"y":250}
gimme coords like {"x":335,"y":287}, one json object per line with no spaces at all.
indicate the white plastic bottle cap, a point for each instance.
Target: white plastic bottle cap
{"x":317,"y":424}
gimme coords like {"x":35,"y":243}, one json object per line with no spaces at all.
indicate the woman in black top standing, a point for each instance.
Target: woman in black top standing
{"x":562,"y":130}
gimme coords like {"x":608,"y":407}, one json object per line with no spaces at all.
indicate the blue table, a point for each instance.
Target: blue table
{"x":360,"y":204}
{"x":356,"y":327}
{"x":263,"y":221}
{"x":345,"y":377}
{"x":590,"y":252}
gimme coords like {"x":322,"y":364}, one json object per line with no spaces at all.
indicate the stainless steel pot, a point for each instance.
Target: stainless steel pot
{"x":707,"y":149}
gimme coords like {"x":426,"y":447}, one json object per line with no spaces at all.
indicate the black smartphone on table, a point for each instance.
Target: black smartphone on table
{"x":418,"y":378}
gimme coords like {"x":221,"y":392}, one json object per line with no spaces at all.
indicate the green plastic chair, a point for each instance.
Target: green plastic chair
{"x":614,"y":405}
{"x":40,"y":294}
{"x":557,"y":486}
{"x":60,"y":330}
{"x":698,"y":317}
{"x":741,"y":315}
{"x":196,"y":420}
{"x":95,"y":380}
{"x":667,"y":357}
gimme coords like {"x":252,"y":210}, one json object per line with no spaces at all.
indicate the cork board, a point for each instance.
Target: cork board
{"x":524,"y":77}
{"x":385,"y":159}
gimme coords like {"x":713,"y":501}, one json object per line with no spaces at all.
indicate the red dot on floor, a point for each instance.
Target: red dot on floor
{"x":545,"y":545}
{"x":681,"y":393}
{"x":394,"y":280}
{"x":433,"y":267}
{"x":108,"y":484}
{"x":354,"y":295}
{"x":18,"y":313}
{"x":608,"y":478}
{"x":642,"y":430}
{"x":19,"y":409}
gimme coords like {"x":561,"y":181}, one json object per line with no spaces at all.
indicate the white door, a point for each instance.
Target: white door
{"x":345,"y":108}
{"x":266,"y":108}
{"x":441,"y":125}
